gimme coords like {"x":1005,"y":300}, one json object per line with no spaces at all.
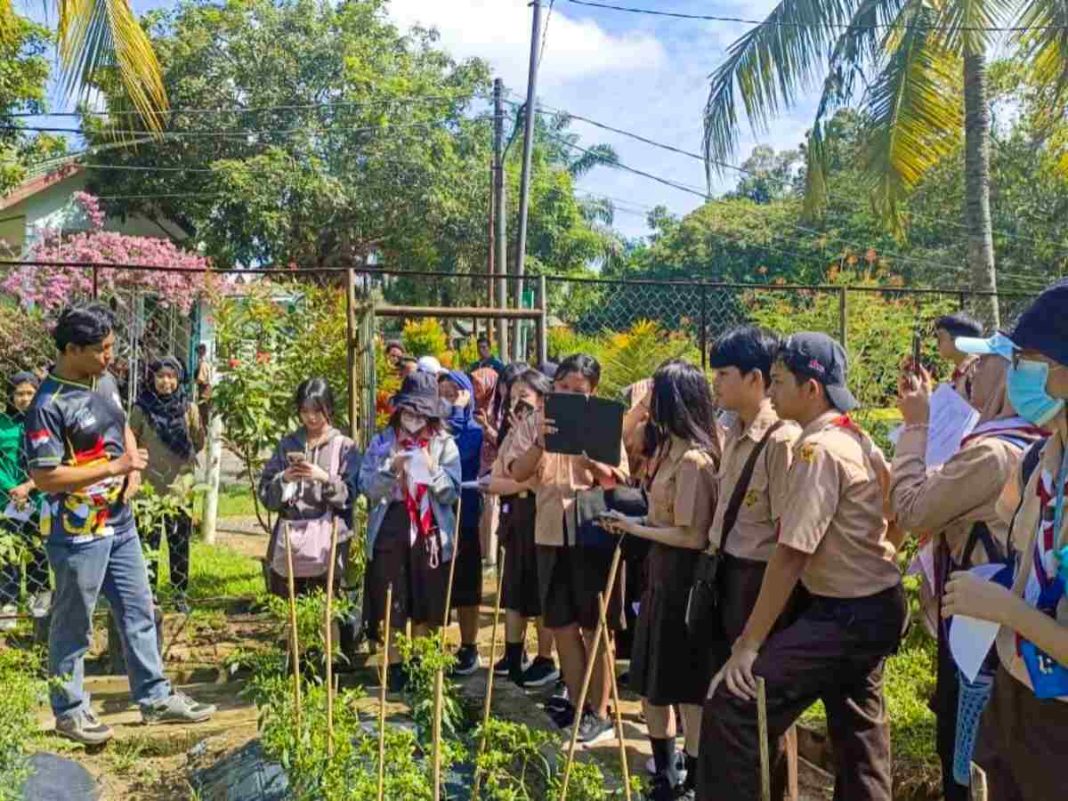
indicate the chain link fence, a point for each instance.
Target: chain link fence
{"x":630,"y":325}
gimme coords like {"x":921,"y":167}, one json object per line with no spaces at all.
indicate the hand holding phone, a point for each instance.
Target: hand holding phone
{"x":296,"y":457}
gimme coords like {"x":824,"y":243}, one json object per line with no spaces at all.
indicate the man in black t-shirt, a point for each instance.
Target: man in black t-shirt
{"x":84,"y":459}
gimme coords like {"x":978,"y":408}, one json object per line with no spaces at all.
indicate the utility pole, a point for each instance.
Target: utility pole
{"x":528,"y":152}
{"x":500,"y":215}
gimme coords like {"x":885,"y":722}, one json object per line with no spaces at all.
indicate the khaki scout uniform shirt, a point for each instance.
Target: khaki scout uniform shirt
{"x":506,"y":454}
{"x":951,"y":499}
{"x":683,"y":490}
{"x":755,"y":533}
{"x":834,"y":511}
{"x":1024,"y":530}
{"x":557,"y":479}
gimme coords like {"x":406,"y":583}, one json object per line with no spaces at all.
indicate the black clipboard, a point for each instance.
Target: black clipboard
{"x":585,"y":425}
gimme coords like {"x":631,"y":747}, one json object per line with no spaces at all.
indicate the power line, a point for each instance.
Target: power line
{"x":775,"y":179}
{"x":326,"y":104}
{"x":837,"y":26}
{"x":230,"y":132}
{"x":545,"y":32}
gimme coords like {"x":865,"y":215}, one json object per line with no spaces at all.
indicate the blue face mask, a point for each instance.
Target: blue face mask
{"x":1027,"y":392}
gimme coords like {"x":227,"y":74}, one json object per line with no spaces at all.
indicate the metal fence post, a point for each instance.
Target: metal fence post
{"x":211,"y":498}
{"x":541,"y":324}
{"x":843,"y":316}
{"x":704,"y":325}
{"x":350,"y":331}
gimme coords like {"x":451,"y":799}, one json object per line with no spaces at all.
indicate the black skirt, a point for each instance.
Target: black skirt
{"x":418,"y":589}
{"x":666,"y":667}
{"x":519,"y":592}
{"x":467,"y":583}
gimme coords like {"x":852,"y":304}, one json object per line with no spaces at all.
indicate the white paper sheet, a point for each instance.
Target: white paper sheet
{"x":970,"y":639}
{"x":418,"y":468}
{"x":952,"y":419}
{"x":18,"y":515}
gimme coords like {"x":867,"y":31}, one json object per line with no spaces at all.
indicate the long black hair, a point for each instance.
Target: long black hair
{"x":315,"y":392}
{"x":504,"y":385}
{"x":681,"y":404}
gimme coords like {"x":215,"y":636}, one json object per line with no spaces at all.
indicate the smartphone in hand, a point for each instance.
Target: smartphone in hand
{"x":296,"y":457}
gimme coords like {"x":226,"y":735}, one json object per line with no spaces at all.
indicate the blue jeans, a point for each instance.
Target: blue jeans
{"x":115,"y":565}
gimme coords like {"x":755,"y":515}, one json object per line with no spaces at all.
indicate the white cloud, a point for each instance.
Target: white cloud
{"x":499,"y":31}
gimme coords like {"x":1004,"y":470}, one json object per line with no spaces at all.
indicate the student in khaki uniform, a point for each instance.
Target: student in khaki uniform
{"x":520,"y":593}
{"x":1024,"y":730}
{"x":570,"y":576}
{"x":947,"y":329}
{"x":759,"y":440}
{"x":956,"y":503}
{"x":833,"y":540}
{"x":669,"y":667}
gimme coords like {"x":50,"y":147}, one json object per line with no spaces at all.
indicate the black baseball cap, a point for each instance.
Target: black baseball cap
{"x":1043,"y":327}
{"x":820,"y":357}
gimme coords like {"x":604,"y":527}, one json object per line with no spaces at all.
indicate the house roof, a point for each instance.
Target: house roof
{"x":38,"y":183}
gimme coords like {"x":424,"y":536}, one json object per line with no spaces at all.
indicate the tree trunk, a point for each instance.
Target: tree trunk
{"x":977,"y":189}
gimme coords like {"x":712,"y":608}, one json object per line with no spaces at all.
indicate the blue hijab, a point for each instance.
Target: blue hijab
{"x":468,"y":436}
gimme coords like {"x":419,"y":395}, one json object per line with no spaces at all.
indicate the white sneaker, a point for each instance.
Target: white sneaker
{"x":40,"y":603}
{"x":8,"y":620}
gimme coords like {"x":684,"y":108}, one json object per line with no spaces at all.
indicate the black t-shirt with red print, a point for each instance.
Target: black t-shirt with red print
{"x":76,"y":424}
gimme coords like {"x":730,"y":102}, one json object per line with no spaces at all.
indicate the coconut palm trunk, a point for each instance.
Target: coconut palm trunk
{"x":980,"y":239}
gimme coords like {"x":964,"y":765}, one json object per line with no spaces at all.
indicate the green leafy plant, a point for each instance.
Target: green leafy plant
{"x":423,"y":657}
{"x":23,"y":690}
{"x":424,"y":337}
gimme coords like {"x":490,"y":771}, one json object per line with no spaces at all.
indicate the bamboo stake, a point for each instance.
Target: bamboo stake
{"x":439,"y":679}
{"x":382,"y":699}
{"x":452,"y":566}
{"x":439,"y":684}
{"x":294,"y":640}
{"x":602,"y":606}
{"x":762,"y":733}
{"x":487,"y":704}
{"x":329,"y":638}
{"x":581,"y":702}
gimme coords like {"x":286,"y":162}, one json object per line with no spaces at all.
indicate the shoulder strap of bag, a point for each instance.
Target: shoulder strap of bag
{"x":1028,"y":464}
{"x":730,"y":517}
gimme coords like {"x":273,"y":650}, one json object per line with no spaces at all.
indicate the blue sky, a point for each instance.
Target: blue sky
{"x":635,"y":72}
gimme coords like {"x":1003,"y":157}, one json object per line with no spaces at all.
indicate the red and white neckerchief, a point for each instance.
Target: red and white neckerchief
{"x":417,"y":502}
{"x":1051,"y":500}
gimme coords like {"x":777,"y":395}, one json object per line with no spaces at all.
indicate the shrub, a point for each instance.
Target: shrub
{"x":424,"y":337}
{"x":23,"y":691}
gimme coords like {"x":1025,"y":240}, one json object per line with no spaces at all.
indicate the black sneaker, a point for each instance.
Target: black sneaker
{"x":541,"y":672}
{"x":396,"y":679}
{"x":661,"y":789}
{"x":467,"y":661}
{"x":504,"y":667}
{"x":593,"y":729}
{"x":559,"y":697}
{"x":563,"y":716}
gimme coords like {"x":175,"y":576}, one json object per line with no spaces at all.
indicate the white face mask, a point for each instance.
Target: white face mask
{"x":411,"y":423}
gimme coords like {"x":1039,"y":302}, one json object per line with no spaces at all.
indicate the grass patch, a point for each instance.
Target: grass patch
{"x":217,"y":572}
{"x":235,"y":500}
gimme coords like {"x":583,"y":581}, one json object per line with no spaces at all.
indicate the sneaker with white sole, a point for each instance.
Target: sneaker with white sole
{"x":541,"y":672}
{"x":592,"y":729}
{"x":178,"y":708}
{"x":504,"y":666}
{"x":83,"y":727}
{"x":467,"y":661}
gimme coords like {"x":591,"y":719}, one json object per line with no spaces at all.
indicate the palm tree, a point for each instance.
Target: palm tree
{"x":93,"y":35}
{"x":920,"y":63}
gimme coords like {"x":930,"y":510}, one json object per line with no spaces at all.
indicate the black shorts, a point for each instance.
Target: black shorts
{"x":519,"y":591}
{"x":570,"y":579}
{"x":418,"y":589}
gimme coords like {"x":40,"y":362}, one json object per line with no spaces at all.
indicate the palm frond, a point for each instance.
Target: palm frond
{"x":964,"y":25}
{"x":96,"y":34}
{"x":914,"y":109}
{"x":766,"y":69}
{"x":593,"y":156}
{"x":857,"y":48}
{"x":1044,"y":41}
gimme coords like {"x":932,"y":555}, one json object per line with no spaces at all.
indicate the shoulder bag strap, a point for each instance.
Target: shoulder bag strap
{"x":734,"y":506}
